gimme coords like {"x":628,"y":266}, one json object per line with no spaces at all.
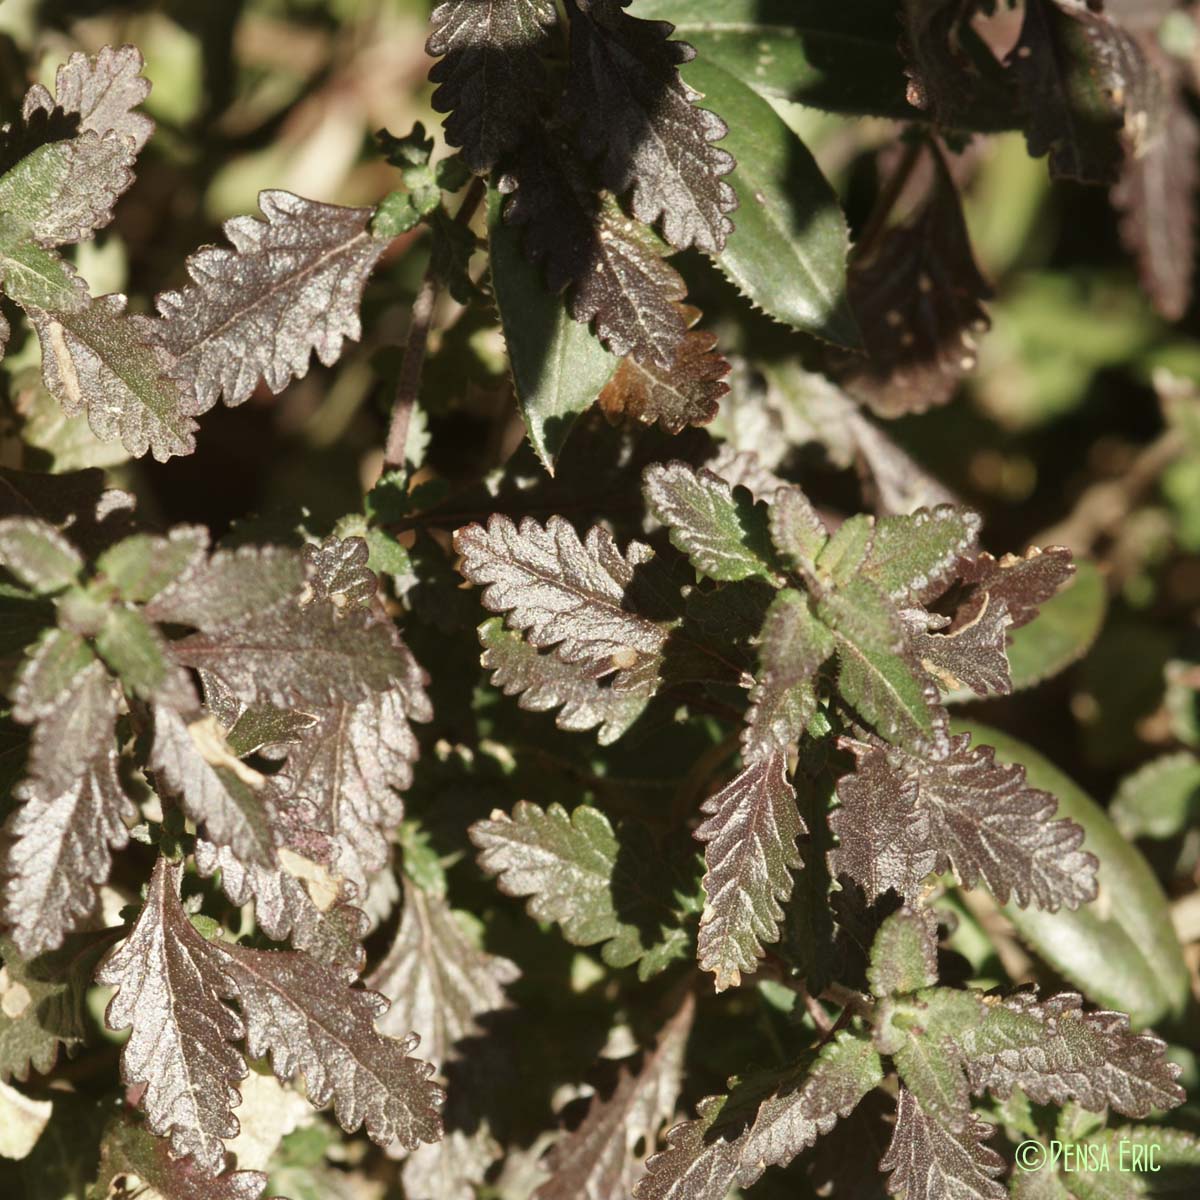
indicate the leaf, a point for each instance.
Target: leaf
{"x":136,"y":652}
{"x":588,"y":878}
{"x":788,"y":252}
{"x":922,"y":1032}
{"x":915,"y":555}
{"x":844,"y":1071}
{"x":1156,"y":194}
{"x":292,"y":656}
{"x":683,"y":394}
{"x":971,"y":652}
{"x":37,"y":555}
{"x":442,"y":982}
{"x":490,"y":75}
{"x":543,"y":682}
{"x":845,"y":59}
{"x":638,"y":117}
{"x":904,"y":953}
{"x":33,"y":276}
{"x":750,"y":852}
{"x":170,"y":985}
{"x":290,"y":286}
{"x":65,"y":191}
{"x":300,"y":1013}
{"x":105,"y":89}
{"x":1123,"y":954}
{"x":1160,"y":799}
{"x":219,"y":792}
{"x":792,"y":647}
{"x":697,"y":1164}
{"x":877,"y":673}
{"x":918,"y":293}
{"x":23,"y":1122}
{"x":562,"y":592}
{"x":884,"y":837}
{"x":1063,"y":630}
{"x":230,"y":588}
{"x":283,"y":905}
{"x":1175,"y":1154}
{"x":797,"y":531}
{"x":142,"y":566}
{"x":596,"y":1160}
{"x":128,"y":1149}
{"x":845,"y":552}
{"x":57,"y":843}
{"x":988,"y":823}
{"x":336,"y":569}
{"x":1023,"y":582}
{"x":352,"y":766}
{"x":42,"y":1004}
{"x":619,"y":277}
{"x":1082,"y":80}
{"x":99,"y":359}
{"x":723,"y":533}
{"x":49,"y":671}
{"x":927,"y":1161}
{"x":1054,"y":1051}
{"x":559,"y":366}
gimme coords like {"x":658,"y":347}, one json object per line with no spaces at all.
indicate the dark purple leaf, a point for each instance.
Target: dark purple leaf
{"x":917,"y":294}
{"x":637,"y":115}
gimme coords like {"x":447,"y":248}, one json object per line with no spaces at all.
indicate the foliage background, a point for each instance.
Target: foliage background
{"x":1059,"y":437}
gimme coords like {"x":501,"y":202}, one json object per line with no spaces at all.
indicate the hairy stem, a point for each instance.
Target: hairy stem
{"x":408,"y":385}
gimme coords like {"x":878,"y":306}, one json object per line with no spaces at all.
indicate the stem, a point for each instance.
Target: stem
{"x":1102,"y":508}
{"x":409,"y":384}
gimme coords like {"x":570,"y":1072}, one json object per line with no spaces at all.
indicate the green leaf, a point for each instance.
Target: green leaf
{"x":38,"y":555}
{"x":41,"y":1004}
{"x":34,"y":276}
{"x":96,"y":360}
{"x":876,"y":674}
{"x":559,"y":366}
{"x":1065,"y":627}
{"x":920,"y":1032}
{"x":914,"y":553}
{"x":904,"y":953}
{"x":797,"y":531}
{"x":1159,"y":800}
{"x":847,"y":550}
{"x":141,"y":566}
{"x":793,"y":644}
{"x":1054,"y":1051}
{"x":598,"y":884}
{"x":136,"y":652}
{"x":788,"y":251}
{"x":1123,"y":954}
{"x":722,"y":531}
{"x":840,"y":57}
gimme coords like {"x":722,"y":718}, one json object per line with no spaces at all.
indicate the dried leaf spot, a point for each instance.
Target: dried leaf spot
{"x":14,"y":995}
{"x":210,"y":742}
